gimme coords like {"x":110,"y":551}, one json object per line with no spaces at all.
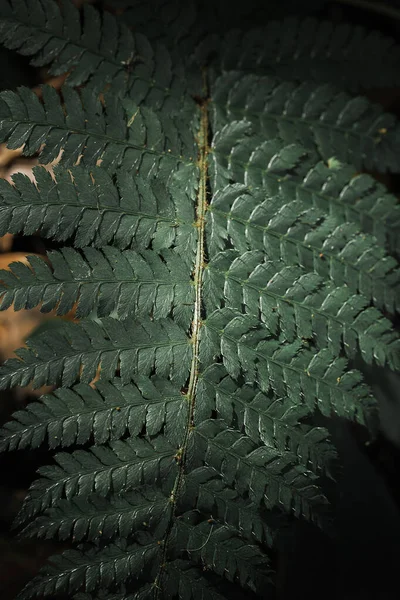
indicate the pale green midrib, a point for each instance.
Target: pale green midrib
{"x":327,"y":198}
{"x":297,"y":242}
{"x":108,"y":139}
{"x":290,"y":367}
{"x":198,"y":271}
{"x":45,"y":284}
{"x":299,"y":437}
{"x":308,"y":307}
{"x":263,"y":470}
{"x":104,"y":209}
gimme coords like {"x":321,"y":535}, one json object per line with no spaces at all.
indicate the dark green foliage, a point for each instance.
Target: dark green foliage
{"x":351,"y":128}
{"x":54,"y":34}
{"x":228,"y":266}
{"x":304,"y":49}
{"x":119,"y":134}
{"x":93,"y":210}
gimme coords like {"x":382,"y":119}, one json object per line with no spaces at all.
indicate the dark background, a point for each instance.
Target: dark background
{"x":363,"y":562}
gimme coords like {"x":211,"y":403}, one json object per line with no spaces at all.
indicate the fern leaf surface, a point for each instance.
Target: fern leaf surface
{"x":122,"y":134}
{"x":121,"y":466}
{"x":352,"y":129}
{"x":106,"y":282}
{"x":97,"y":518}
{"x":90,"y":208}
{"x":93,"y":47}
{"x":76,"y":352}
{"x":75,"y":569}
{"x":297,"y":49}
{"x":110,"y":411}
{"x":228,"y":269}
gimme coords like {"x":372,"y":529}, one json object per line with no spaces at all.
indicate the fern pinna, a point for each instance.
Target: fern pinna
{"x":227,"y":265}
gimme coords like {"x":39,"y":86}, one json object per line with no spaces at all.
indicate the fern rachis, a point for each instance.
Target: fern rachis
{"x":227,"y":268}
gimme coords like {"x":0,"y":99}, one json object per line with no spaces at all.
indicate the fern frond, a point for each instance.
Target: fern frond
{"x":119,"y":134}
{"x":93,"y":569}
{"x":266,"y":475}
{"x":275,"y":422}
{"x":333,"y":187}
{"x":53,"y":33}
{"x":205,"y":490}
{"x":120,"y":466}
{"x":76,"y":352}
{"x":96,"y":518}
{"x":298,"y":304}
{"x":288,"y":369}
{"x":89,"y":207}
{"x":226,"y":281}
{"x":306,"y":236}
{"x":296,"y":49}
{"x":67,"y":417}
{"x":352,"y":129}
{"x":183,"y":580}
{"x":105,"y":281}
{"x":95,"y":48}
{"x":220,"y":549}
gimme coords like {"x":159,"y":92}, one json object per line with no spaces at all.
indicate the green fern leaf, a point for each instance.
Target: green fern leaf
{"x":122,"y":134}
{"x":95,"y":211}
{"x":275,"y":482}
{"x":205,"y":489}
{"x":183,"y":580}
{"x":221,"y":550}
{"x":292,"y":369}
{"x":350,"y":128}
{"x":107,"y":281}
{"x":75,"y":569}
{"x":97,"y":518}
{"x":273,"y":422}
{"x":225,"y":278}
{"x":119,"y":467}
{"x":298,"y":49}
{"x":77,"y":351}
{"x":298,"y":233}
{"x":300,"y":305}
{"x":67,"y":417}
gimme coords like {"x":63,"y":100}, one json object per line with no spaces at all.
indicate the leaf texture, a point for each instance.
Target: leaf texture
{"x":76,"y":352}
{"x":97,"y":518}
{"x":75,"y":569}
{"x":228,"y":266}
{"x":274,"y":480}
{"x":300,"y":49}
{"x":105,"y":281}
{"x":298,"y":304}
{"x":121,"y":466}
{"x":118,"y":134}
{"x":350,"y":128}
{"x":75,"y":416}
{"x":93,"y":47}
{"x":95,"y":211}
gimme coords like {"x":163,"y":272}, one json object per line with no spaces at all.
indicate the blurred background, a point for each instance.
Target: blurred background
{"x":363,"y":564}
